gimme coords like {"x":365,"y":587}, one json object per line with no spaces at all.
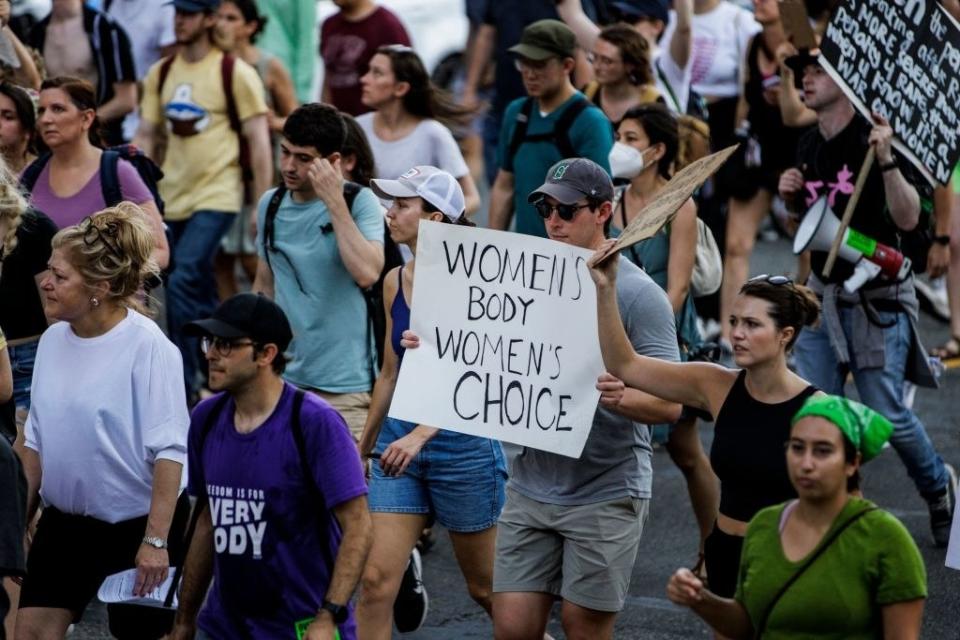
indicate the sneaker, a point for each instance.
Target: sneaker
{"x":932,"y":295}
{"x":941,"y":509}
{"x":410,"y":607}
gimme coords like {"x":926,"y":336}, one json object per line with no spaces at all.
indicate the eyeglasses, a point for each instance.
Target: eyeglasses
{"x":532,"y":66}
{"x":566,"y":211}
{"x":222,"y":345}
{"x":775,"y":280}
{"x":92,"y":234}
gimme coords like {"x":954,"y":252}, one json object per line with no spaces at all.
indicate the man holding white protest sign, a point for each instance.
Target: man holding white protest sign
{"x":870,"y":304}
{"x":571,"y":527}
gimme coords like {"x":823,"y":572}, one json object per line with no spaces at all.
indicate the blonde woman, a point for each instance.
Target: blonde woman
{"x":105,"y":439}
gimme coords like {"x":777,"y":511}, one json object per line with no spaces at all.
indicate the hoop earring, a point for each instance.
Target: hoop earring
{"x":95,"y":302}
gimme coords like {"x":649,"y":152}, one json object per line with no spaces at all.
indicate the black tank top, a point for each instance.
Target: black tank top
{"x":748,"y":451}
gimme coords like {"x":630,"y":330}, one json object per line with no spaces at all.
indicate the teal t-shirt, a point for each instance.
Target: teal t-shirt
{"x":591,"y":135}
{"x":332,"y":348}
{"x":874,"y":562}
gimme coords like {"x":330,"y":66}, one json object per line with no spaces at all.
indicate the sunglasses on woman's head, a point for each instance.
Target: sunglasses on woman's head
{"x":566,"y":211}
{"x":775,"y":280}
{"x":93,"y":234}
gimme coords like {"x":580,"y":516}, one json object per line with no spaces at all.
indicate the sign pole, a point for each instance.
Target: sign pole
{"x":848,"y":212}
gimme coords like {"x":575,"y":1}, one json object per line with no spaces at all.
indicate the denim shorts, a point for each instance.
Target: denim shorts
{"x":457,"y":479}
{"x":22,"y":358}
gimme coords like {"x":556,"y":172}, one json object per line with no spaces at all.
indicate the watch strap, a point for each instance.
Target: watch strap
{"x":155,"y":542}
{"x":338,"y":611}
{"x":942,"y":240}
{"x":890,"y":166}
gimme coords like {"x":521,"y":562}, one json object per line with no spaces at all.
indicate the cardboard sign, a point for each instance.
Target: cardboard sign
{"x":662,"y":208}
{"x":796,"y":24}
{"x":902,"y":60}
{"x":508,"y":339}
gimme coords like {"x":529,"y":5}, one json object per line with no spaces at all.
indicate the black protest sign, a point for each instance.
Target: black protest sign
{"x":901,"y":59}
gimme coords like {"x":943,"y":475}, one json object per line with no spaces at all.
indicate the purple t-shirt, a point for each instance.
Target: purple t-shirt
{"x":273,"y":544}
{"x":69,"y":211}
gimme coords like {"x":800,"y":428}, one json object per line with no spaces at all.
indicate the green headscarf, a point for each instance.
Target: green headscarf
{"x":866,"y":429}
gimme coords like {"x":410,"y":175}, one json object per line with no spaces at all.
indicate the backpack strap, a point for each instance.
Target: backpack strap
{"x":519,"y":133}
{"x":198,"y":508}
{"x":227,"y":63}
{"x":667,"y":86}
{"x":164,"y":72}
{"x":30,"y":175}
{"x":296,"y":427}
{"x":270,"y":220}
{"x":562,"y":128}
{"x":110,"y":178}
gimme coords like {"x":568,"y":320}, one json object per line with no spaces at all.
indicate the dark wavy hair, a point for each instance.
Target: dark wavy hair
{"x":357,"y":145}
{"x":660,"y":125}
{"x":26,"y":111}
{"x":248,"y":9}
{"x":424,"y":99}
{"x":83,"y":96}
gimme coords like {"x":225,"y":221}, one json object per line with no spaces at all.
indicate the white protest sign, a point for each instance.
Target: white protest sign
{"x":508,"y":339}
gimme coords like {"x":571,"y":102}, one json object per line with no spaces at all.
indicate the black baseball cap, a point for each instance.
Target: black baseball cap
{"x":545,"y":39}
{"x":195,"y":6}
{"x":246,"y":315}
{"x":800,"y":61}
{"x":571,"y":179}
{"x":640,"y":9}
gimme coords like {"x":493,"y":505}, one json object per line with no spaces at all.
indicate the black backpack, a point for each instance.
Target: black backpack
{"x":560,"y":136}
{"x":148,"y":170}
{"x":373,"y":295}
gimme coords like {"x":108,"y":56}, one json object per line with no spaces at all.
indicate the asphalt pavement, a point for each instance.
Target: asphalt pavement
{"x":670,"y":537}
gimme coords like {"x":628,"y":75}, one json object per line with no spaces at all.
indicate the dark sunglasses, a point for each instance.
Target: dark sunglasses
{"x":565,"y":211}
{"x":92,"y":234}
{"x":775,"y":280}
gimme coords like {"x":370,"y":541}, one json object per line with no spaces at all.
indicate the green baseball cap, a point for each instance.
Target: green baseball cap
{"x":866,"y":429}
{"x":545,"y":39}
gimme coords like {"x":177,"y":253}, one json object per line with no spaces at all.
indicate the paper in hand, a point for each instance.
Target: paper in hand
{"x":119,"y":588}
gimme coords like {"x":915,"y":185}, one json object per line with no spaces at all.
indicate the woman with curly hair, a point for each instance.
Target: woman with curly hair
{"x":106,"y":435}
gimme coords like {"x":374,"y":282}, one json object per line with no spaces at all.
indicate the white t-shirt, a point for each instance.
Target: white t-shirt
{"x":672,"y":80}
{"x":103,"y":410}
{"x":430,"y":143}
{"x":149,"y":25}
{"x":720,"y":40}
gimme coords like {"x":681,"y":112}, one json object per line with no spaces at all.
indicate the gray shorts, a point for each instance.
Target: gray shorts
{"x":584,"y":554}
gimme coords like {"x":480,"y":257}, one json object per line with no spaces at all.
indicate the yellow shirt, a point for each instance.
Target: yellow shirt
{"x":201,"y":166}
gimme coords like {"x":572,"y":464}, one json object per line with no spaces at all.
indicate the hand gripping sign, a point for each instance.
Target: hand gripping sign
{"x":508,"y":339}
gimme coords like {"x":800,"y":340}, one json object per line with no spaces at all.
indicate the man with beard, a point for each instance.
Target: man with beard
{"x":212,"y":108}
{"x":283,"y":521}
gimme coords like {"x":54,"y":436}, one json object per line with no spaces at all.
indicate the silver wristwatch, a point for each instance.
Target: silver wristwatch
{"x":156,"y":543}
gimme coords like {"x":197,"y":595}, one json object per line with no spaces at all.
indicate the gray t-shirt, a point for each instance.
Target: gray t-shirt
{"x":430,"y":143}
{"x":615,"y":462}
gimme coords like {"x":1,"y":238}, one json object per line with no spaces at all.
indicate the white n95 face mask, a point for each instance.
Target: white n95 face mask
{"x":625,"y":161}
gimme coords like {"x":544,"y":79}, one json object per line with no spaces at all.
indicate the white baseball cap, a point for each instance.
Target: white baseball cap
{"x":437,"y":187}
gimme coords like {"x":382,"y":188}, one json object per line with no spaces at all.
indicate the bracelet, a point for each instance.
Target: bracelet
{"x":943,"y":240}
{"x":890,"y":166}
{"x":3,"y":340}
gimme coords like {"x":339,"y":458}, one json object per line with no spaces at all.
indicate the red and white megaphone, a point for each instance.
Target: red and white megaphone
{"x":819,"y":228}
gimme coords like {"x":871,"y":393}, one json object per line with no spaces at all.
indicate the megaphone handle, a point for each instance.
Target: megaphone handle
{"x":848,"y":212}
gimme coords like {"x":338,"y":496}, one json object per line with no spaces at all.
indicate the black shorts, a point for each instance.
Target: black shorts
{"x":721,"y":554}
{"x":71,"y":555}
